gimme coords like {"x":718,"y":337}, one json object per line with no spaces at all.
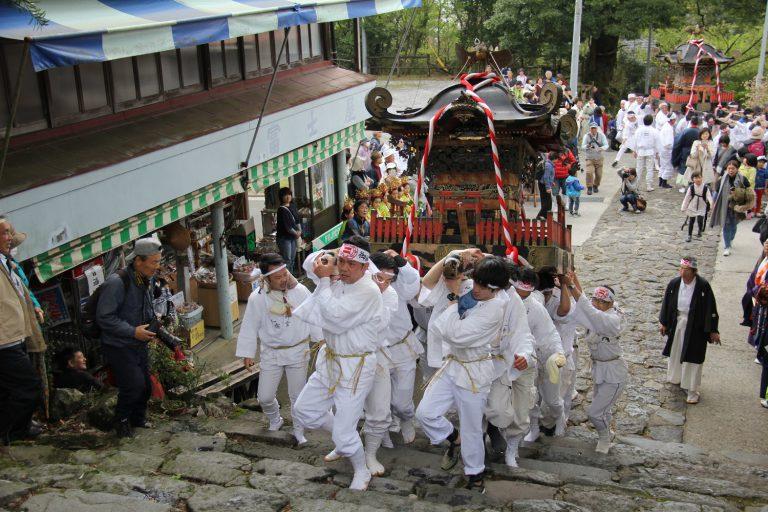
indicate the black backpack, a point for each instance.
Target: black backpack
{"x":89,"y":327}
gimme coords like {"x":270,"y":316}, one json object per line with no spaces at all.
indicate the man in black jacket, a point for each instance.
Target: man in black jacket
{"x":689,"y":320}
{"x":124,"y":313}
{"x":683,"y":143}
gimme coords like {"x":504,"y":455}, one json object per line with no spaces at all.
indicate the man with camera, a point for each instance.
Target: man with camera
{"x":350,"y":310}
{"x":595,"y":143}
{"x":124,"y":314}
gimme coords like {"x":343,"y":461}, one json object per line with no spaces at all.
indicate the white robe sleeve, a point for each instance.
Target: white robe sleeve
{"x":543,"y":329}
{"x":247,"y":339}
{"x":340,"y":314}
{"x":408,"y":282}
{"x":475,"y":330}
{"x":519,"y":339}
{"x":601,"y":322}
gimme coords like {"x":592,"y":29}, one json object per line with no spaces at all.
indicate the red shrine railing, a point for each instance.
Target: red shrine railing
{"x":429,"y":230}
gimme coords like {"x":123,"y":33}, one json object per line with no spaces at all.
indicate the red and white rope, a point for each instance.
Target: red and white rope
{"x":487,"y":79}
{"x":699,"y":43}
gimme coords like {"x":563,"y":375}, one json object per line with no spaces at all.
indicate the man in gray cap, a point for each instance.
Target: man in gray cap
{"x":124,"y":313}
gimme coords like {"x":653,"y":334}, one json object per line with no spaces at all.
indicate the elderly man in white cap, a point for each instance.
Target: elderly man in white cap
{"x":662,"y":116}
{"x":628,"y":135}
{"x":123,"y":313}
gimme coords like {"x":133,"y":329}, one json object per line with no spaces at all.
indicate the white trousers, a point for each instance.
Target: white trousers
{"x":377,"y":404}
{"x":687,"y":375}
{"x":403,"y":377}
{"x":270,"y":375}
{"x":441,"y":394}
{"x":645,"y":163}
{"x":509,"y":407}
{"x":604,"y":397}
{"x":313,"y":410}
{"x":622,"y":149}
{"x":548,"y":407}
{"x":667,"y":170}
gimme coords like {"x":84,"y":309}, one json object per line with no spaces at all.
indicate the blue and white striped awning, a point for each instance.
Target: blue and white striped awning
{"x":98,"y":30}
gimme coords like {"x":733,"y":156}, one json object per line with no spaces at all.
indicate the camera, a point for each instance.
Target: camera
{"x":624,"y":175}
{"x":328,"y":257}
{"x":454,"y":267}
{"x":168,"y":339}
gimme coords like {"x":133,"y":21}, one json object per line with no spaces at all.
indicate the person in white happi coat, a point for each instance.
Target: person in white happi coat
{"x":620,"y":115}
{"x":513,"y":392}
{"x":467,"y":328}
{"x":377,"y":407}
{"x":351,"y":313}
{"x":647,"y":150}
{"x":666,"y":143}
{"x":604,"y":324}
{"x":404,"y":347}
{"x":282,"y":338}
{"x":548,"y":406}
{"x":628,"y":136}
{"x":561,"y":308}
{"x":434,"y":295}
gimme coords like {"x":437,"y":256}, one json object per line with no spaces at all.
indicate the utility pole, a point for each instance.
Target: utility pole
{"x":575,"y":45}
{"x":761,"y":63}
{"x":648,"y":61}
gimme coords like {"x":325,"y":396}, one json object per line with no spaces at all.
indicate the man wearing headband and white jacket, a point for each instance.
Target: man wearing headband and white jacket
{"x":434,"y":294}
{"x":404,"y":348}
{"x":377,"y":407}
{"x":562,"y":309}
{"x":351,"y":314}
{"x":284,"y":338}
{"x":467,"y":328}
{"x":548,"y":406}
{"x":513,"y":392}
{"x":609,"y":371}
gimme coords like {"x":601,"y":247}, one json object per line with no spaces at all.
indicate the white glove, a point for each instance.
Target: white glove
{"x":554,"y":363}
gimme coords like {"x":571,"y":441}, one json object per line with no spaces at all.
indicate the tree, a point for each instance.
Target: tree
{"x":31,"y":7}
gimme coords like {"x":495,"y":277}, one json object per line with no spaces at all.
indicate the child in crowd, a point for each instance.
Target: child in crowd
{"x":695,"y":203}
{"x":573,"y":188}
{"x":629,"y":186}
{"x":761,"y":175}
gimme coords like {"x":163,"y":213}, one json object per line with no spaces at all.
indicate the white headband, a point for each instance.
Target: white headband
{"x":526,"y":287}
{"x":602,"y":293}
{"x":275,"y":270}
{"x":354,"y":253}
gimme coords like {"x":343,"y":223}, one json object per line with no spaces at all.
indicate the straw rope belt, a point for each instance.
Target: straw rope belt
{"x":286,"y":347}
{"x":451,"y":358}
{"x":332,"y":357}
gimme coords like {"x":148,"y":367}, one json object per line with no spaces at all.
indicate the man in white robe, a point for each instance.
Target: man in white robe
{"x":467,"y":329}
{"x":282,"y":338}
{"x":666,"y":143}
{"x":351,"y":313}
{"x":628,"y":135}
{"x":548,"y":407}
{"x":609,"y":371}
{"x":513,"y":392}
{"x":561,"y":308}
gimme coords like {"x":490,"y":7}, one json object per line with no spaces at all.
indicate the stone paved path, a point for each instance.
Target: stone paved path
{"x":637,"y":255}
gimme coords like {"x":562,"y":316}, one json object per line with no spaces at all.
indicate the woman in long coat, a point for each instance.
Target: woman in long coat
{"x":688,"y":319}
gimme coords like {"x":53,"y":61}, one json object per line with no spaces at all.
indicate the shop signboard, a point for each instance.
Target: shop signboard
{"x":327,"y":237}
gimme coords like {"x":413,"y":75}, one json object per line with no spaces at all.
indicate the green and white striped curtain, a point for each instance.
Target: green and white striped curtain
{"x":77,"y":252}
{"x":272,"y":171}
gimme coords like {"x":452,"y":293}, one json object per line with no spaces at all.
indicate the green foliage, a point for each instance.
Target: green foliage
{"x":172,"y":373}
{"x":30,"y":6}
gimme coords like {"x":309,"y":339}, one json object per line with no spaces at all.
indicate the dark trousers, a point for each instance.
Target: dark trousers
{"x":699,"y":221}
{"x":764,"y":381}
{"x":131,"y":369}
{"x":546,"y":201}
{"x":629,"y":199}
{"x":20,"y":393}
